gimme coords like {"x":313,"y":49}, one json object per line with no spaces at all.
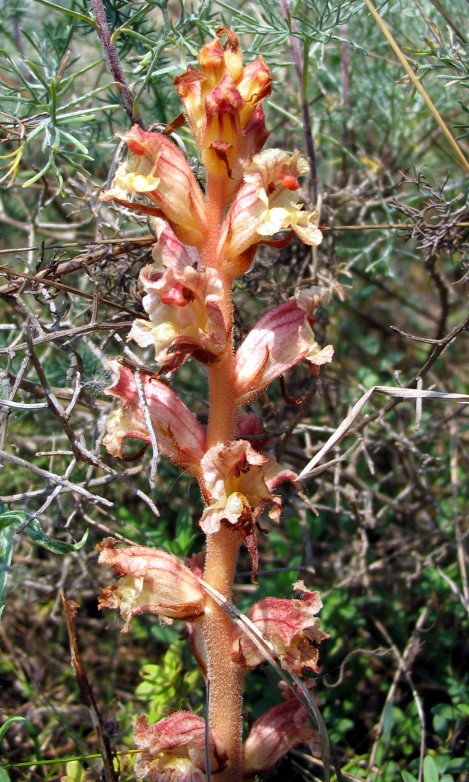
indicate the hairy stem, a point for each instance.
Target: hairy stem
{"x":225,"y":677}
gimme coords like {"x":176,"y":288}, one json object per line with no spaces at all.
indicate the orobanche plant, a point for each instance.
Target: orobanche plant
{"x":205,"y":240}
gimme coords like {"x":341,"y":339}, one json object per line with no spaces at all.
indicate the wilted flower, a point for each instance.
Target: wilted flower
{"x":276,"y":733}
{"x":183,"y":303}
{"x":236,"y":488}
{"x":292,"y":628}
{"x":280,"y":339}
{"x":178,"y":433}
{"x":265,"y":205}
{"x":234,"y":482}
{"x":157,"y":169}
{"x":173,"y":750}
{"x":221,"y":101}
{"x":151,"y":580}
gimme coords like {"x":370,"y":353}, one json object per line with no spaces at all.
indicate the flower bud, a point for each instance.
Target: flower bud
{"x":221,"y":101}
{"x":151,"y":580}
{"x":276,"y":733}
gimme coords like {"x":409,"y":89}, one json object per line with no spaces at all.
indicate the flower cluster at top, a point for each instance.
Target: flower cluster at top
{"x":205,"y":239}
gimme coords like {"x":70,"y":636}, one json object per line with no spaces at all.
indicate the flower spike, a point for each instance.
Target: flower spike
{"x":222,"y":101}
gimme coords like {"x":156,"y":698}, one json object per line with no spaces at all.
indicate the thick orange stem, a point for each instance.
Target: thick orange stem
{"x":225,"y":677}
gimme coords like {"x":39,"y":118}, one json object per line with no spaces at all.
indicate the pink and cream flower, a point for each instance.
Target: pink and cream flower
{"x":178,"y":433}
{"x":234,"y":484}
{"x":157,"y":169}
{"x":266,"y":204}
{"x":150,"y":580}
{"x":173,"y":750}
{"x":183,"y":304}
{"x":292,"y":628}
{"x":237,"y":485}
{"x":277,"y":342}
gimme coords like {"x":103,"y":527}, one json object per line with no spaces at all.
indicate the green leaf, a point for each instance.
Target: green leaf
{"x":51,"y":544}
{"x":12,"y":517}
{"x":388,"y":719}
{"x":408,"y":777}
{"x":68,"y":11}
{"x":430,"y":771}
{"x":4,"y":776}
{"x":6,"y":550}
{"x":33,"y":529}
{"x":9,"y":722}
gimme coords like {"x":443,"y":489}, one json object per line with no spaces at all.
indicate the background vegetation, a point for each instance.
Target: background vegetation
{"x":379,"y":526}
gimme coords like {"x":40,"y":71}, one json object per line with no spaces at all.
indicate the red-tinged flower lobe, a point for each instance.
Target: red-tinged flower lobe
{"x":276,"y":733}
{"x":254,"y":138}
{"x":152,"y":581}
{"x":265,"y":205}
{"x":173,"y":750}
{"x":277,"y":342}
{"x":158,"y":170}
{"x":254,"y":85}
{"x":223,"y":128}
{"x":183,"y":304}
{"x":178,"y":433}
{"x":212,"y":61}
{"x":292,"y":628}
